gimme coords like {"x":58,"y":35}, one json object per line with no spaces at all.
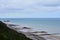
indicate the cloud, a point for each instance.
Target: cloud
{"x":37,"y":7}
{"x":25,"y":3}
{"x":15,"y":3}
{"x":50,"y":2}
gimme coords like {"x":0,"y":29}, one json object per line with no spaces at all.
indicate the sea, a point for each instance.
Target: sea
{"x":50,"y":25}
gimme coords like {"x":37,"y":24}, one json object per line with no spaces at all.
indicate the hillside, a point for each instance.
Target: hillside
{"x":9,"y":34}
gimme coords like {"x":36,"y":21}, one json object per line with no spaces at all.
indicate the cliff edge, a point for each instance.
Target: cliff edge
{"x":10,"y":34}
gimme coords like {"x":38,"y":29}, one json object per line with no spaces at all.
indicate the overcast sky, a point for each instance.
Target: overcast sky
{"x":29,"y":8}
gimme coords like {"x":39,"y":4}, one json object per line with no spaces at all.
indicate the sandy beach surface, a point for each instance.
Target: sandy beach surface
{"x":29,"y":32}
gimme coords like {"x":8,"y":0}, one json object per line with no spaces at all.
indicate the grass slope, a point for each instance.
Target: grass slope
{"x":9,"y":34}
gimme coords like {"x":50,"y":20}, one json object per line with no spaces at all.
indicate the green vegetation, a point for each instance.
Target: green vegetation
{"x":9,"y":34}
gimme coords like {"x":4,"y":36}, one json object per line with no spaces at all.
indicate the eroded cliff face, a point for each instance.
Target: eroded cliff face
{"x":10,"y":34}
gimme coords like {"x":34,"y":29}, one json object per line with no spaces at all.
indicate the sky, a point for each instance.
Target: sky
{"x":29,"y":8}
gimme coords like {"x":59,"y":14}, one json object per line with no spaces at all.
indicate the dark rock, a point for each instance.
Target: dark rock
{"x":40,"y":32}
{"x":26,"y":28}
{"x":43,"y":32}
{"x":6,"y":21}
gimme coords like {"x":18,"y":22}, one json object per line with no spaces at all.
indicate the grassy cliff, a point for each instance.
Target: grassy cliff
{"x":9,"y":34}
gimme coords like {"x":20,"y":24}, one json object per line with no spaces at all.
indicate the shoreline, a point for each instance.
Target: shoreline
{"x":29,"y":32}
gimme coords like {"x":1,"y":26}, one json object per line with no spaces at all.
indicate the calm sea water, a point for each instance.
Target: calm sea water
{"x":51,"y":25}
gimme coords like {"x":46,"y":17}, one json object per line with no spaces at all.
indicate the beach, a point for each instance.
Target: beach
{"x":33,"y":34}
{"x":50,"y":25}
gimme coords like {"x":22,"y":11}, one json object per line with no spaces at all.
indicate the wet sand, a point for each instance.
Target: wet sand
{"x":35,"y":35}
